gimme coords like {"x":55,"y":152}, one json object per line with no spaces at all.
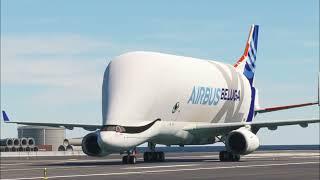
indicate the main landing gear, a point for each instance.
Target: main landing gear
{"x":152,"y":155}
{"x":228,"y":156}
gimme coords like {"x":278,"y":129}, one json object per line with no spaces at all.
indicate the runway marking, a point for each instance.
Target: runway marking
{"x":167,"y":170}
{"x":141,"y":167}
{"x":211,"y":160}
{"x":183,"y":157}
{"x":168,"y":166}
{"x":278,"y":157}
{"x":14,"y":164}
{"x":63,"y":161}
{"x":317,"y":156}
{"x":298,"y":157}
{"x":103,"y":160}
{"x":281,"y":154}
{"x":28,"y":169}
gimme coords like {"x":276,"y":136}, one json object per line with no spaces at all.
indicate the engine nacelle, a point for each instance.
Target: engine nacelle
{"x":242,"y":141}
{"x":90,"y":145}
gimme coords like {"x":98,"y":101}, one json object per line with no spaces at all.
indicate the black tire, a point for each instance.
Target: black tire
{"x":223,"y":156}
{"x":154,"y":156}
{"x":228,"y":156}
{"x":162,"y":157}
{"x":132,"y":160}
{"x":236,"y":157}
{"x":145,"y":157}
{"x":150,"y":157}
{"x":125,"y":160}
{"x":157,"y":155}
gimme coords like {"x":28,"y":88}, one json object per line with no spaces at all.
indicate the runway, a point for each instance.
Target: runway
{"x":198,"y":165}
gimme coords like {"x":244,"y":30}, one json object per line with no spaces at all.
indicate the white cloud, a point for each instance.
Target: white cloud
{"x":55,"y":66}
{"x":47,"y":44}
{"x":55,"y":72}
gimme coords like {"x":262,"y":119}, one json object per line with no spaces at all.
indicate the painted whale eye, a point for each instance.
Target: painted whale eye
{"x":118,"y":129}
{"x":175,"y":107}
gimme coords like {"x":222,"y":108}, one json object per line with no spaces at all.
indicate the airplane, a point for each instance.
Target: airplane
{"x":156,"y":98}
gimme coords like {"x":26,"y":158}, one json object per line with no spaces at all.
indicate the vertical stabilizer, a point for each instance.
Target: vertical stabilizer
{"x":247,"y":62}
{"x":247,"y":65}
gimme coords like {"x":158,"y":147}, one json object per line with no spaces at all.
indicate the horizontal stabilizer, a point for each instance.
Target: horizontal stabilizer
{"x":278,"y":108}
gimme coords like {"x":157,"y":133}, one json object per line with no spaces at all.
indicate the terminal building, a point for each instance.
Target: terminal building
{"x":48,"y":138}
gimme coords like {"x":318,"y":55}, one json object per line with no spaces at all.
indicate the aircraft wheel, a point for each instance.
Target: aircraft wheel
{"x":150,"y":156}
{"x":222,"y":155}
{"x":125,"y":160}
{"x":228,"y":156}
{"x":145,"y":157}
{"x":132,"y":159}
{"x":162,"y":156}
{"x":235,"y":157}
{"x":153,"y":156}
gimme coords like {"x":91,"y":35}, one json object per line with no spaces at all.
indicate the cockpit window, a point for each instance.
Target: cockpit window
{"x":127,"y":129}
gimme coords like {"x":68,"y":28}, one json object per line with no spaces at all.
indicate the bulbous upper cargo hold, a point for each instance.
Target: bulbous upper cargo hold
{"x":140,"y":87}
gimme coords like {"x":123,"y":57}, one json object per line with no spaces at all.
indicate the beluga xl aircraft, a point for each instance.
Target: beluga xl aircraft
{"x":156,"y":98}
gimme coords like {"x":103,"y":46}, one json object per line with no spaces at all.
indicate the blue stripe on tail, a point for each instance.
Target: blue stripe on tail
{"x":5,"y":117}
{"x":251,"y":111}
{"x":251,"y":56}
{"x":250,"y":67}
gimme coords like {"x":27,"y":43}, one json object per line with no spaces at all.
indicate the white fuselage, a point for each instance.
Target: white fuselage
{"x":141,"y":87}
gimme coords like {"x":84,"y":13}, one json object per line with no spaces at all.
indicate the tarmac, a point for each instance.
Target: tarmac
{"x":283,"y":164}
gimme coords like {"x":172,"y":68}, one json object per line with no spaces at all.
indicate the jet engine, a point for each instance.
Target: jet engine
{"x":242,"y":141}
{"x":90,"y":145}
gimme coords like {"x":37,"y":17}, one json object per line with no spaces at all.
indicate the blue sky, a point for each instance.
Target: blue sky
{"x":53,"y":53}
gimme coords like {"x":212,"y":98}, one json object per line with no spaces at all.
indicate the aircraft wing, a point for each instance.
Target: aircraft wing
{"x":223,"y":128}
{"x":278,"y":108}
{"x":67,"y":126}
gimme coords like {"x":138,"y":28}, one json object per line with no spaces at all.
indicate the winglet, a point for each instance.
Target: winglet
{"x":5,"y":117}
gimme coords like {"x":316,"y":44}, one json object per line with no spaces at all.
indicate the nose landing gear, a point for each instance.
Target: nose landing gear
{"x":130,"y":158}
